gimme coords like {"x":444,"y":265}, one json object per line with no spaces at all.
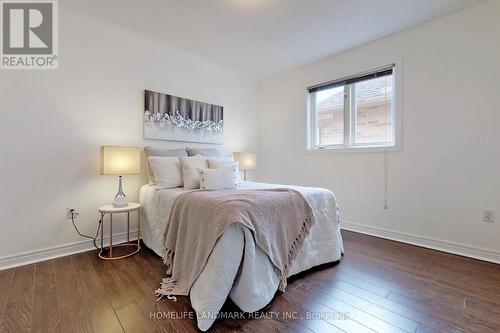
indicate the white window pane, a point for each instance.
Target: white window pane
{"x":373,"y":111}
{"x":330,"y":116}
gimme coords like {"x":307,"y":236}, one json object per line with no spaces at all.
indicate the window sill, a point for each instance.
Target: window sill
{"x":361,"y":149}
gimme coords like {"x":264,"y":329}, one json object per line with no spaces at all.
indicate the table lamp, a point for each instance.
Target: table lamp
{"x":120,"y":161}
{"x":247,"y":161}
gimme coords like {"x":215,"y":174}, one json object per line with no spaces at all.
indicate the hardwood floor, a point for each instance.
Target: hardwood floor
{"x":379,"y":285}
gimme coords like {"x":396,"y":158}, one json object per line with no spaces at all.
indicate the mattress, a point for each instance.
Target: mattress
{"x":237,"y":268}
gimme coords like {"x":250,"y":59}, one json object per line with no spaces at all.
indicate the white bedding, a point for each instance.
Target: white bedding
{"x":253,"y":285}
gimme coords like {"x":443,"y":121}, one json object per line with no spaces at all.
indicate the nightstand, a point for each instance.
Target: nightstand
{"x":110,"y":209}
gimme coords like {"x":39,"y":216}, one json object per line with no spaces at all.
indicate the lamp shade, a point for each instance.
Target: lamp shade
{"x":248,"y":161}
{"x":120,"y":160}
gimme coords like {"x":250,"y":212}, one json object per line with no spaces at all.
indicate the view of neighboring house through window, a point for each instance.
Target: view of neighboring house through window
{"x":330,"y":116}
{"x":353,"y":112}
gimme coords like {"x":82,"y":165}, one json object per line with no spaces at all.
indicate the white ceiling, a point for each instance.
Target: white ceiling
{"x":264,"y":37}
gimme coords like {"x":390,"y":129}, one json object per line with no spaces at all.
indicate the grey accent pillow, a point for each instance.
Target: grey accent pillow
{"x":151,"y":151}
{"x":207,"y":152}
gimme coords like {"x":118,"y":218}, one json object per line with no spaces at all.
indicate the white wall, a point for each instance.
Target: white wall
{"x":53,"y":123}
{"x":448,"y":170}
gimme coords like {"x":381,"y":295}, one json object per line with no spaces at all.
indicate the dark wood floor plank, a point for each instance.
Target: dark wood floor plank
{"x":331,"y":278}
{"x":72,"y":305}
{"x":380,"y":286}
{"x":45,"y":306}
{"x":19,"y":305}
{"x":429,"y":297}
{"x":101,"y":268}
{"x":340,"y":320}
{"x":5,"y":283}
{"x":277,"y":325}
{"x":426,"y":291}
{"x":369,"y":286}
{"x":366,"y":306}
{"x":319,"y":325}
{"x":364,"y":318}
{"x":287,"y":311}
{"x":424,"y":329}
{"x":99,"y":313}
{"x":480,"y":324}
{"x":447,"y":269}
{"x":474,"y":306}
{"x":132,"y":319}
{"x":312,"y":321}
{"x":375,"y":275}
{"x":110,"y":288}
{"x":410,"y":285}
{"x":141,"y":289}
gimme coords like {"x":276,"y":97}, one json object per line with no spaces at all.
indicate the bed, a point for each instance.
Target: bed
{"x":237,"y":268}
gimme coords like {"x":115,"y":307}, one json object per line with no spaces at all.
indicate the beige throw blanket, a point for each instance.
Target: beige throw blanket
{"x":279,"y":220}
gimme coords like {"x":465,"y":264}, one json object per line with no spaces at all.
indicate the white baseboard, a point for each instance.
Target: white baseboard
{"x":431,"y":243}
{"x":60,"y":251}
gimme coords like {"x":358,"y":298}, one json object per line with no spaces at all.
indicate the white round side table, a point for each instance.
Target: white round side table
{"x":110,"y":209}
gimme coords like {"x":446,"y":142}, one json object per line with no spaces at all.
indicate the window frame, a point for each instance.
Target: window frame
{"x":349,"y":144}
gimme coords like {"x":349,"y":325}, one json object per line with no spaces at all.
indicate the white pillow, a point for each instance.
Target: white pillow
{"x":166,"y":170}
{"x":217,"y":179}
{"x":217,"y":164}
{"x":190,"y":174}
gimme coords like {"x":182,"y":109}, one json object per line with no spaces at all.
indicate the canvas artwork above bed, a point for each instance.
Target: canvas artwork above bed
{"x":168,"y":117}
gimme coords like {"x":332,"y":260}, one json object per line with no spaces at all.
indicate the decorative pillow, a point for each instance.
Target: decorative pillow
{"x":217,"y":179}
{"x":151,"y":151}
{"x":215,"y":163}
{"x":210,"y":152}
{"x":166,"y":170}
{"x":190,"y":174}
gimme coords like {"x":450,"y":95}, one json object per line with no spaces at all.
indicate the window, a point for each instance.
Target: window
{"x":354,"y":112}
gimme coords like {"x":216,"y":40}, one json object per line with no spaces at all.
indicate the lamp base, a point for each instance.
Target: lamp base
{"x":120,"y":197}
{"x":120,"y":202}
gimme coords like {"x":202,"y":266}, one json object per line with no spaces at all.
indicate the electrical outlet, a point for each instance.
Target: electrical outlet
{"x":489,"y":216}
{"x":72,"y":212}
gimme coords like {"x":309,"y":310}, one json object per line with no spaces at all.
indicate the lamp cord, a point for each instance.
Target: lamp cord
{"x":86,"y":236}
